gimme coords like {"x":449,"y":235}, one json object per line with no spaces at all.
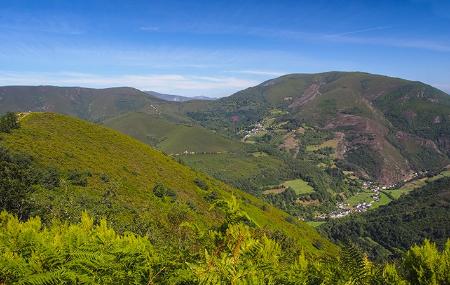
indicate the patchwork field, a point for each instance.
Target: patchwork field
{"x":299,"y":186}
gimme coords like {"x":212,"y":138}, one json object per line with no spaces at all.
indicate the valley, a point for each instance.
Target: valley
{"x":299,"y":166}
{"x":269,"y":140}
{"x":224,"y":142}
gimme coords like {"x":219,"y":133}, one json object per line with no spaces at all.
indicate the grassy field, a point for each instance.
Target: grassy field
{"x":329,"y":143}
{"x":315,"y":224}
{"x":299,"y":186}
{"x":409,"y":186}
{"x":122,"y":173}
{"x":384,"y":200}
{"x":360,"y":197}
{"x":445,"y":173}
{"x":171,"y":137}
{"x":367,"y":198}
{"x":232,"y":167}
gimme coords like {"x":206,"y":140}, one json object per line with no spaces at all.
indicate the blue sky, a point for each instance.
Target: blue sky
{"x":215,"y":48}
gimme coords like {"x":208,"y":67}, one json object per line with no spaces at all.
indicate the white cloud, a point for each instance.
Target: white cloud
{"x":166,"y":83}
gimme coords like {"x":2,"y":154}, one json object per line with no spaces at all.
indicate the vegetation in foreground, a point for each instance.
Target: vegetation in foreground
{"x":234,"y":253}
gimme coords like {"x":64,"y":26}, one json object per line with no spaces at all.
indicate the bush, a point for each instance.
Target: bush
{"x":50,"y":178}
{"x":78,"y":178}
{"x":104,"y":178}
{"x":8,"y":122}
{"x":201,"y":184}
{"x":161,"y":191}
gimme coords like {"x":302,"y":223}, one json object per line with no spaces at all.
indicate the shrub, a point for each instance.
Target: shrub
{"x":161,"y":191}
{"x":8,"y":122}
{"x":78,"y":178}
{"x":201,"y":184}
{"x":50,"y":178}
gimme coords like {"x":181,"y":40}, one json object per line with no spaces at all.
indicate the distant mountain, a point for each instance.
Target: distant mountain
{"x":177,"y":98}
{"x":86,"y":103}
{"x":385,"y":128}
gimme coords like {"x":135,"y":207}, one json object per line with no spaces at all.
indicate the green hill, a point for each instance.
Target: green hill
{"x":170,"y":137}
{"x":86,"y":103}
{"x":136,"y":187}
{"x":388,"y":128}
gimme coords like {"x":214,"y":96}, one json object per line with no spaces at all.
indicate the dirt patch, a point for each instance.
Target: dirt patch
{"x":274,"y":191}
{"x":300,"y":130}
{"x":308,"y":203}
{"x":340,"y":147}
{"x":290,"y":143}
{"x":308,"y":95}
{"x":366,"y":133}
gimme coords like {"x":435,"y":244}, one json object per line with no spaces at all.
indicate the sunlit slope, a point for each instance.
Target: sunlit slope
{"x":171,"y":137}
{"x":121,"y":173}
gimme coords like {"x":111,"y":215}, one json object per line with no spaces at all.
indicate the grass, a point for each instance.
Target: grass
{"x":133,"y":169}
{"x":329,"y":143}
{"x":409,"y":186}
{"x":360,"y":197}
{"x":171,"y":137}
{"x":231,"y":166}
{"x":299,"y":186}
{"x":384,"y":200}
{"x":366,"y":197}
{"x":315,"y":224}
{"x":259,"y":154}
{"x":445,"y":173}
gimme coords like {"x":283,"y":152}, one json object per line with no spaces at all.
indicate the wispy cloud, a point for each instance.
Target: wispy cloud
{"x":346,"y":37}
{"x":258,"y":72}
{"x":392,"y":42}
{"x":360,"y":31}
{"x":167,"y":83}
{"x":29,"y":23}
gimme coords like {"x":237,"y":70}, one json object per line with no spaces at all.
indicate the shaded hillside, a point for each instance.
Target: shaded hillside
{"x":390,"y":127}
{"x":176,"y":98}
{"x":87,"y":103}
{"x":423,"y":214}
{"x":136,"y":187}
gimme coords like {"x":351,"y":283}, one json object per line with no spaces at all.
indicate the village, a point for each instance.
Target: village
{"x":345,"y":209}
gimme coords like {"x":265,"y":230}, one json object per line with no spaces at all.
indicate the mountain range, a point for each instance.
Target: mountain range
{"x":177,"y":98}
{"x":387,"y":129}
{"x":294,"y":170}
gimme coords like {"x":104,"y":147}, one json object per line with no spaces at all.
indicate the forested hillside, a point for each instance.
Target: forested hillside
{"x":386,"y":128}
{"x":391,"y":229}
